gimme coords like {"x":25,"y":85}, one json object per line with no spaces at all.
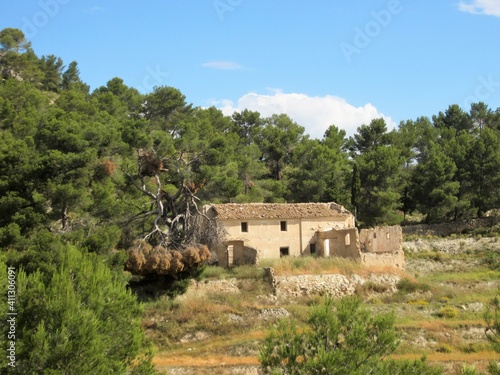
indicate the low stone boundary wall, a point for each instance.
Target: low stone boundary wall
{"x":292,"y":286}
{"x":335,"y":285}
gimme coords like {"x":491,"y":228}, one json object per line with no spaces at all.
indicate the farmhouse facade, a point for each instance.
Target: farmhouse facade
{"x":257,"y":231}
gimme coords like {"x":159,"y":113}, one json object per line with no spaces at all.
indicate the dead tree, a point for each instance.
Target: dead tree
{"x":167,"y":221}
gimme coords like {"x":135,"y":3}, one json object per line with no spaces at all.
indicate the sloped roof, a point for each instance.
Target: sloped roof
{"x":235,"y":211}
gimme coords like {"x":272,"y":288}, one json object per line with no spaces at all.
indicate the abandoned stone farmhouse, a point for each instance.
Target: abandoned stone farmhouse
{"x":256,"y":231}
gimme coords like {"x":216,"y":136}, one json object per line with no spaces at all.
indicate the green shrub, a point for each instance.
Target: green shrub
{"x":418,"y":302}
{"x":370,"y":287}
{"x":447,"y":312}
{"x":248,"y":272}
{"x":444,"y":348}
{"x":407,"y":286}
{"x":492,"y":260}
{"x":213,"y":272}
{"x":79,"y":317}
{"x":468,"y":370}
{"x":341,"y":337}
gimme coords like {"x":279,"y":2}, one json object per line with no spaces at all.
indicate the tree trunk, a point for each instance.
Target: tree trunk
{"x":64,"y":217}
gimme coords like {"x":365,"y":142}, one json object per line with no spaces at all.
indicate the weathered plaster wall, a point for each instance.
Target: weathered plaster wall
{"x":382,"y":247}
{"x":381,"y":239}
{"x":379,"y":246}
{"x":266,"y":235}
{"x":342,"y":243}
{"x":310,"y":226}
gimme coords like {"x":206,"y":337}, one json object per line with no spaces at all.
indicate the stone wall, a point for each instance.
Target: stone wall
{"x":381,"y":239}
{"x":342,"y":243}
{"x":379,"y":246}
{"x":335,"y":285}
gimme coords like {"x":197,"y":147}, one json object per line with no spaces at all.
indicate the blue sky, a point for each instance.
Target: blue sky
{"x":323,"y":62}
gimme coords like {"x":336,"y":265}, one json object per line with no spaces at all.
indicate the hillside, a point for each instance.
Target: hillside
{"x":222,"y":319}
{"x":101,"y":191}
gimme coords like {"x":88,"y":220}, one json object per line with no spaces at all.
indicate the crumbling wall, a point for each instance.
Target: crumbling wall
{"x":382,"y":247}
{"x":379,"y":246}
{"x":335,"y":285}
{"x":381,"y":239}
{"x":234,"y":253}
{"x":341,"y":243}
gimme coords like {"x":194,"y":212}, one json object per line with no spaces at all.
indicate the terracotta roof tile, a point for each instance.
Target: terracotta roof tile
{"x":278,"y":210}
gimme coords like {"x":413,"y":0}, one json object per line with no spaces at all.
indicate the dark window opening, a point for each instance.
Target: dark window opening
{"x":244,"y":227}
{"x":283,"y":226}
{"x":284,"y":251}
{"x":312,"y":248}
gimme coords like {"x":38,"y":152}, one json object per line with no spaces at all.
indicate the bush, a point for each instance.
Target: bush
{"x":492,"y":318}
{"x":340,"y":338}
{"x":78,"y":317}
{"x":447,"y":312}
{"x":213,"y":272}
{"x":492,"y":260}
{"x":370,"y":287}
{"x":468,"y":370}
{"x":407,"y":286}
{"x":418,"y":302}
{"x":444,"y":348}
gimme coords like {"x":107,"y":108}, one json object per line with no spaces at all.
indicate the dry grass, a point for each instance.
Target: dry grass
{"x":452,"y":357}
{"x":320,"y":266}
{"x":197,"y":361}
{"x":210,"y":361}
{"x":234,"y":342}
{"x":440,"y":325}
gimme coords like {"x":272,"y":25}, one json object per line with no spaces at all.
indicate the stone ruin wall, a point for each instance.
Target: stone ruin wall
{"x":296,"y":286}
{"x":375,"y":247}
{"x":381,"y":239}
{"x":382,"y":247}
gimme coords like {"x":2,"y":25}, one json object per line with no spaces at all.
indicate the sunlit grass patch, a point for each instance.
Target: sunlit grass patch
{"x":318,"y":266}
{"x":238,"y":272}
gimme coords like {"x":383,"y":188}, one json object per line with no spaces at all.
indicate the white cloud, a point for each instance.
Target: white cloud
{"x":315,"y":113}
{"x":222,"y":65}
{"x":487,"y":7}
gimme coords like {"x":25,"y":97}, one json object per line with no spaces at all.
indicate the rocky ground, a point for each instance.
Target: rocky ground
{"x":445,"y":341}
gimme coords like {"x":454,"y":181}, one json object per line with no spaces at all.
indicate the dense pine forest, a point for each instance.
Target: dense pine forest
{"x":95,"y":181}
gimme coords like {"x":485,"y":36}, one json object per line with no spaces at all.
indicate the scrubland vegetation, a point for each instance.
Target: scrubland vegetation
{"x":100,"y":195}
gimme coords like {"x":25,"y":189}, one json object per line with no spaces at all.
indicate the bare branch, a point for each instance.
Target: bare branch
{"x":143,"y":188}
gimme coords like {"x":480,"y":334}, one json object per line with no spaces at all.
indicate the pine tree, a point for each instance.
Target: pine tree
{"x":340,"y":338}
{"x":75,"y":319}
